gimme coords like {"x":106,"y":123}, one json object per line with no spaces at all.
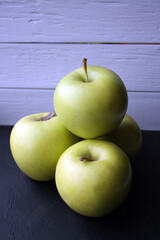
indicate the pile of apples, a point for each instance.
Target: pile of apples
{"x":85,"y":144}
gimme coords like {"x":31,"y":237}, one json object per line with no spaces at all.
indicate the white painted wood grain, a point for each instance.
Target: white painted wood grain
{"x":15,"y":104}
{"x":42,"y":66}
{"x":80,"y":20}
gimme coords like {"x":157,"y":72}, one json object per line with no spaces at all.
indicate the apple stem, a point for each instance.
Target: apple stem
{"x":85,"y":68}
{"x":49,"y":116}
{"x":82,"y":158}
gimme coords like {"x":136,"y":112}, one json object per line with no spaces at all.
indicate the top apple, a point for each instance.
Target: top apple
{"x":91,"y":101}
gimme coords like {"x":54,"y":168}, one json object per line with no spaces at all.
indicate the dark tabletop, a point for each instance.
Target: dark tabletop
{"x":34,"y":210}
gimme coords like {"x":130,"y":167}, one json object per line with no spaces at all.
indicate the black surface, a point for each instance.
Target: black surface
{"x":34,"y":210}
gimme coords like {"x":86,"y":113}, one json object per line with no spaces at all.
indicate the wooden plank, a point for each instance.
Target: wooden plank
{"x":42,"y":66}
{"x":145,"y":109}
{"x":85,"y":20}
{"x":14,"y":104}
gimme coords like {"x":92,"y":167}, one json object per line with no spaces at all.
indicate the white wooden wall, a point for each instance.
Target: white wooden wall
{"x":43,"y":40}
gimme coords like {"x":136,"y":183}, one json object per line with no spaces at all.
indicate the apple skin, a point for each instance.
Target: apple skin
{"x":91,"y":109}
{"x":37,"y":145}
{"x":96,"y":186}
{"x":127,"y":136}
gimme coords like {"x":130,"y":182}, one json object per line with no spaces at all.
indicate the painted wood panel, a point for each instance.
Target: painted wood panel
{"x":15,"y":104}
{"x":43,"y":65}
{"x":76,"y":21}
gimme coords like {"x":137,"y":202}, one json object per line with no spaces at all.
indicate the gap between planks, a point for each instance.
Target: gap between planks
{"x":109,"y":43}
{"x":52,"y":89}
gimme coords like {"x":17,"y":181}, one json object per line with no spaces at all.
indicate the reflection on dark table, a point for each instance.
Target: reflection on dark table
{"x":34,"y":210}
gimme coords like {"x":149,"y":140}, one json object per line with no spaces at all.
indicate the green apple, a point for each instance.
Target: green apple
{"x":91,"y":101}
{"x":127,"y":136}
{"x":93,"y":177}
{"x":37,"y":143}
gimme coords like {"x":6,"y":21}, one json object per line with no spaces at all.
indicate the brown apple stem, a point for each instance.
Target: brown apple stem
{"x":85,"y":68}
{"x":88,"y":158}
{"x":84,"y":158}
{"x":49,"y":116}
